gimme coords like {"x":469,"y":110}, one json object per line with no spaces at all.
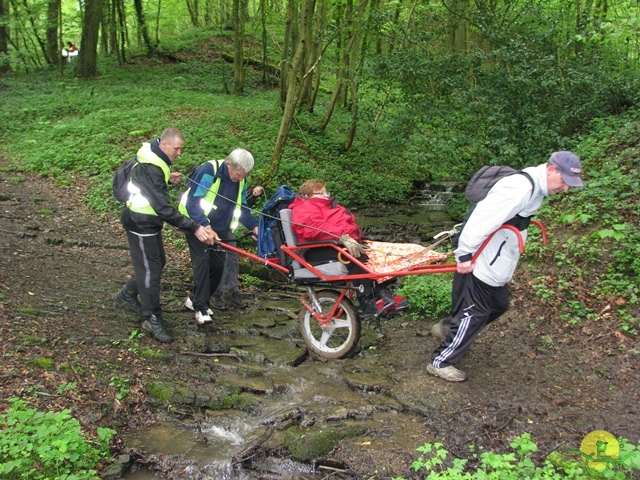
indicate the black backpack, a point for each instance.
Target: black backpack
{"x":478,"y":187}
{"x":121,"y":179}
{"x":484,"y":179}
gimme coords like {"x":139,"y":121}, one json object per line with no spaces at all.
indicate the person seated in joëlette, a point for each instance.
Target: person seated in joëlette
{"x":317,"y":216}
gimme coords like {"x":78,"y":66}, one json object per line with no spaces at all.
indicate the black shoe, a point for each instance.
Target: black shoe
{"x":128,"y":300}
{"x":217,"y":303}
{"x":236,"y":300}
{"x":155,"y":325}
{"x":388,"y":300}
{"x":369,"y":308}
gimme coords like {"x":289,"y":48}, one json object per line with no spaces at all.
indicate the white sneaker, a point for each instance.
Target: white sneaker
{"x":189,"y":304}
{"x":202,"y":318}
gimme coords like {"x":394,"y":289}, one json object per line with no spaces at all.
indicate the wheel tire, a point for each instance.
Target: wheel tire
{"x":340,"y":336}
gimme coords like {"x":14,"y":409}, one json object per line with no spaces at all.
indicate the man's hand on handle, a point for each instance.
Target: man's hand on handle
{"x":207,"y":235}
{"x":464,"y":267}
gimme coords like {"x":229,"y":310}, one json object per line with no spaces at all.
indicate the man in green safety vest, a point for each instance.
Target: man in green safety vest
{"x":217,"y":200}
{"x":143,"y":217}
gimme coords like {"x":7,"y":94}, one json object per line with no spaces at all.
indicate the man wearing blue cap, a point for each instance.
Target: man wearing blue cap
{"x":480,"y":289}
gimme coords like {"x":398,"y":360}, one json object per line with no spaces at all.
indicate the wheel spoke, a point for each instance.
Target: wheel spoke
{"x":341,"y":323}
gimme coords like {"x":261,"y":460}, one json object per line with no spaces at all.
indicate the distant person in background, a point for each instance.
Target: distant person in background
{"x":229,"y":290}
{"x":70,"y":53}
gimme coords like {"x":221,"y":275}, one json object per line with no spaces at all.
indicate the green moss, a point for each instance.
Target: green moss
{"x":159,"y":391}
{"x":306,"y":444}
{"x":65,"y":367}
{"x":42,"y":362}
{"x":151,"y":354}
{"x":34,"y":312}
{"x":29,"y":340}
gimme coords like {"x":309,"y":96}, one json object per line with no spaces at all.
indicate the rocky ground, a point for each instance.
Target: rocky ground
{"x":60,"y":266}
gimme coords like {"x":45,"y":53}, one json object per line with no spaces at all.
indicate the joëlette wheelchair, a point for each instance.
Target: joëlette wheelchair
{"x":330,"y":323}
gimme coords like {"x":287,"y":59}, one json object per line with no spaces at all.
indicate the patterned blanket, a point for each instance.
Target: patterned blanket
{"x":392,"y":257}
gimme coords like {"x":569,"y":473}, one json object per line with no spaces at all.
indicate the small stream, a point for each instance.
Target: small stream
{"x":281,"y":386}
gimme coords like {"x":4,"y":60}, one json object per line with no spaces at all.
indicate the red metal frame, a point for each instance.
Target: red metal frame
{"x":293,"y":252}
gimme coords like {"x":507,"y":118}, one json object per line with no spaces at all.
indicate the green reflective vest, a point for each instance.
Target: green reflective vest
{"x":137,"y":202}
{"x":207,"y":201}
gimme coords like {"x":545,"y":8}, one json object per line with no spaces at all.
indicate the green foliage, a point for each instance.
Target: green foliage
{"x":44,"y":445}
{"x":514,"y":465}
{"x":608,"y":254}
{"x":121,"y":385}
{"x":428,"y":295}
{"x":250,"y":280}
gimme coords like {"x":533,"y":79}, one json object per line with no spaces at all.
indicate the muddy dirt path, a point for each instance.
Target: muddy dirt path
{"x":61,"y":265}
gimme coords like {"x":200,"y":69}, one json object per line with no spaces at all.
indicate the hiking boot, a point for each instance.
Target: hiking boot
{"x":236,"y":300}
{"x":388,"y":300}
{"x":155,"y":326}
{"x":188,"y":303}
{"x":450,"y":373}
{"x":129,"y":300}
{"x":368,"y":305}
{"x":217,"y":302}
{"x":440,"y":330}
{"x":203,"y":317}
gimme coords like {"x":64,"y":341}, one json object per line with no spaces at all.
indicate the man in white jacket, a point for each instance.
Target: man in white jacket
{"x":480,"y":291}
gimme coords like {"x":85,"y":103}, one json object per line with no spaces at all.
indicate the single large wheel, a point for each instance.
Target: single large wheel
{"x":339,"y":336}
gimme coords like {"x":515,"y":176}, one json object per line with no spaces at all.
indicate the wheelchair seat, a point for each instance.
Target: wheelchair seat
{"x":332,"y":268}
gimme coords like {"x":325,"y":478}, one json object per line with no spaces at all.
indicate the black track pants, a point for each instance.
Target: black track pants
{"x":148,"y":259}
{"x":475,"y":304}
{"x":208,"y":266}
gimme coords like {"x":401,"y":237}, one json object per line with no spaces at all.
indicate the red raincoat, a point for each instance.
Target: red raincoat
{"x":317,"y":219}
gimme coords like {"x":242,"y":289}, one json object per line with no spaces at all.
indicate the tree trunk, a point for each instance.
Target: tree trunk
{"x":288,"y":114}
{"x":208,"y":13}
{"x":142,"y":26}
{"x":122,"y":29}
{"x":53,"y":45}
{"x":344,"y":75}
{"x":239,"y":9}
{"x":263,"y":25}
{"x":306,"y":33}
{"x":351,"y":135}
{"x":5,"y":67}
{"x":88,"y":57}
{"x":36,"y":33}
{"x":192,"y":6}
{"x":290,"y":42}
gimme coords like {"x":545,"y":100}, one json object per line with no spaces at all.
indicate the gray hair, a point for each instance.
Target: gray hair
{"x":240,"y":158}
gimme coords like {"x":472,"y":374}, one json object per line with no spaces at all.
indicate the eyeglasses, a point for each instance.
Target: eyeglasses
{"x":321,"y":194}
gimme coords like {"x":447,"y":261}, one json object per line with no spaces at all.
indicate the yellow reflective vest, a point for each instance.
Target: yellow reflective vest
{"x":207,"y":202}
{"x":137,"y":202}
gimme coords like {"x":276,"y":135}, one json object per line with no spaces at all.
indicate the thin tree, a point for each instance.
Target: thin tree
{"x":239,"y":9}
{"x":291,"y":35}
{"x":53,"y":44}
{"x":192,"y":6}
{"x":152,"y":51}
{"x":291,"y":102}
{"x":88,"y":57}
{"x":4,"y":34}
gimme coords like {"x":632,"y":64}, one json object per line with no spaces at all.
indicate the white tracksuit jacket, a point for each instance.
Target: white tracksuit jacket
{"x":509,"y":197}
